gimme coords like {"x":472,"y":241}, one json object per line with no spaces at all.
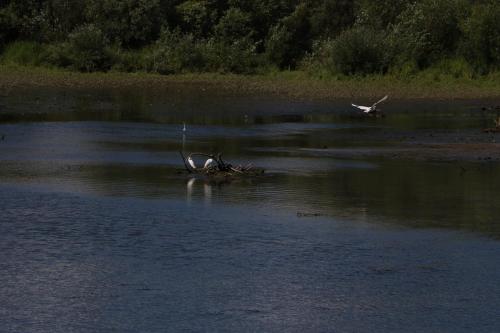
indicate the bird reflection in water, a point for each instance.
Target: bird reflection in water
{"x":191,"y":188}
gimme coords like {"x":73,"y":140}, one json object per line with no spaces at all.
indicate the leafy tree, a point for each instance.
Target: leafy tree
{"x":61,"y":17}
{"x":290,"y":39}
{"x":86,"y":50}
{"x":234,"y":25}
{"x":130,"y":23}
{"x":329,"y":17}
{"x":379,"y":14}
{"x":481,"y":45}
{"x":428,"y":31}
{"x":238,"y":56}
{"x":175,"y":52}
{"x":264,"y":15}
{"x":7,"y":28}
{"x":171,"y":36}
{"x":358,"y":51}
{"x":167,"y":11}
{"x":197,"y":17}
{"x":233,"y":48}
{"x":22,"y":19}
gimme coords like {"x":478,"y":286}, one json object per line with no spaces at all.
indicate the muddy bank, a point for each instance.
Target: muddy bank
{"x":468,"y":145}
{"x":296,"y":85}
{"x":470,"y":152}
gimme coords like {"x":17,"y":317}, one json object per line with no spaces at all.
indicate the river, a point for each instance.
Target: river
{"x":353,"y":227}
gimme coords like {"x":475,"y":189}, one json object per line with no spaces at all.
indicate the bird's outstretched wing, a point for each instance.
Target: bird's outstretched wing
{"x":363,"y":108}
{"x":383,"y":99}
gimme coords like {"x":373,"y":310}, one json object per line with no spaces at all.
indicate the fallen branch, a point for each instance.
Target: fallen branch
{"x":188,"y":168}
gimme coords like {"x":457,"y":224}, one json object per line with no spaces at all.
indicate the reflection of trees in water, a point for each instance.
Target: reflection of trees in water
{"x":416,"y":194}
{"x":407,"y":193}
{"x":203,"y":106}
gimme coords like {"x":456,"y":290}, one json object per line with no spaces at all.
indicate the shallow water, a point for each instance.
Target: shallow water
{"x":100,"y":230}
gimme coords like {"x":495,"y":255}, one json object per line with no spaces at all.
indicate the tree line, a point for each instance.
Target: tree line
{"x":339,"y":37}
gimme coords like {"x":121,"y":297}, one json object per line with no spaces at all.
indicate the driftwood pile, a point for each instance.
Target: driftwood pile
{"x":217,"y":167}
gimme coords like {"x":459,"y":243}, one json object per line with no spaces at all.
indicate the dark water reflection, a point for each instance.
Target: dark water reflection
{"x":101,"y":231}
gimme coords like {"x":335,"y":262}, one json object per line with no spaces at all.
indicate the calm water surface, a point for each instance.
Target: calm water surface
{"x":101,"y":231}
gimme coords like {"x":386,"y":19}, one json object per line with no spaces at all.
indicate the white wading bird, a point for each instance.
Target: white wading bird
{"x":191,"y":163}
{"x":209,"y":163}
{"x":184,"y":127}
{"x":370,"y":109}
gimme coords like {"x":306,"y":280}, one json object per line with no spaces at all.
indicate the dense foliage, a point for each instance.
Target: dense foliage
{"x":339,"y":37}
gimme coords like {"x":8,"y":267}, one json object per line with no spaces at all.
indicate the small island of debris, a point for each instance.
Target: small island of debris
{"x":216,"y":168}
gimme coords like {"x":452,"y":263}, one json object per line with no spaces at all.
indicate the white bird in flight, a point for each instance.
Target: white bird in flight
{"x":370,"y":109}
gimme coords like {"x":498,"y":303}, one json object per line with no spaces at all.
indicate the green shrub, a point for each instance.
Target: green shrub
{"x":379,"y":14}
{"x":457,"y":68}
{"x":447,"y":69}
{"x":320,"y":60}
{"x":196,"y":16}
{"x":24,"y":53}
{"x":329,"y":17}
{"x":427,"y":31}
{"x":404,"y":70}
{"x":175,"y":52}
{"x":289,"y":40}
{"x":7,"y":27}
{"x":238,"y":56}
{"x":232,"y":49}
{"x":56,"y":19}
{"x":128,"y":23}
{"x":86,"y":50}
{"x":233,"y":25}
{"x":356,"y":51}
{"x":131,"y":60}
{"x":481,"y":44}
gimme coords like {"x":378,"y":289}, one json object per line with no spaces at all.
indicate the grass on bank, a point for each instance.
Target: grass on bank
{"x":431,"y":83}
{"x":26,"y":63}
